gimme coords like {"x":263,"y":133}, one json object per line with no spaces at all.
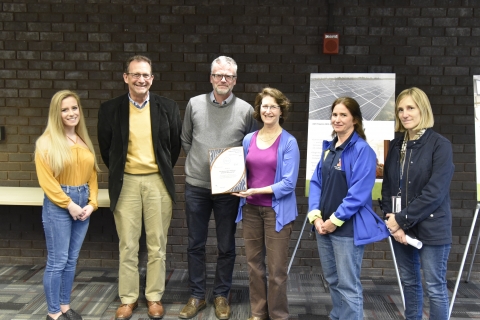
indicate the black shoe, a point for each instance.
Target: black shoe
{"x":61,"y":317}
{"x":72,"y":315}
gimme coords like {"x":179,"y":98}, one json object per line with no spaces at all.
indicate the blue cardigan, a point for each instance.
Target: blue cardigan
{"x":359,"y":164}
{"x":284,"y":201}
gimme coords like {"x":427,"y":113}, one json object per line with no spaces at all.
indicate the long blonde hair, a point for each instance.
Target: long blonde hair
{"x":52,"y":144}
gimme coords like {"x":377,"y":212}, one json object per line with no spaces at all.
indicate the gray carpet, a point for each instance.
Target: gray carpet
{"x":95,"y":296}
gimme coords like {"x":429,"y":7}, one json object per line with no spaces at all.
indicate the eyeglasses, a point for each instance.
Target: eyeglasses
{"x":219,"y":77}
{"x":145,"y":76}
{"x":270,"y":107}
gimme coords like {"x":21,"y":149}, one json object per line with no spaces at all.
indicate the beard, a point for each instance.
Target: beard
{"x":222,"y":91}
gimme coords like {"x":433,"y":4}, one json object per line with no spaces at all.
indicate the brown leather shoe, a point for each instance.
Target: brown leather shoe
{"x":124,"y":312}
{"x":155,"y":309}
{"x":192,"y":307}
{"x":222,"y":309}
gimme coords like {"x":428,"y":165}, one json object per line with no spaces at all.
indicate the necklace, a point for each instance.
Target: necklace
{"x":271,"y":137}
{"x":74,"y":141}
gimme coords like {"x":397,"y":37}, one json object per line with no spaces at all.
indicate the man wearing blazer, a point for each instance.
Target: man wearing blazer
{"x":139,"y":138}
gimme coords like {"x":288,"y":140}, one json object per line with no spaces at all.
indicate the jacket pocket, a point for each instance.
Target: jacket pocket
{"x":435,"y":227}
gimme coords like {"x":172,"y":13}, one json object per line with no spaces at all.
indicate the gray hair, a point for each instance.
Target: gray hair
{"x":224,"y":60}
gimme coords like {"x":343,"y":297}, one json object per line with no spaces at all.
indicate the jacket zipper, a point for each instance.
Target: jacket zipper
{"x":406,"y":182}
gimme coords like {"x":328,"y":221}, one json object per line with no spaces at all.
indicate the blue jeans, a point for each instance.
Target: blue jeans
{"x":64,"y":237}
{"x":199,"y":203}
{"x":341,"y":264}
{"x":433,"y":261}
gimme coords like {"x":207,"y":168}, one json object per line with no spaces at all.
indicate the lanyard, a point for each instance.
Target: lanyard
{"x":401,"y":171}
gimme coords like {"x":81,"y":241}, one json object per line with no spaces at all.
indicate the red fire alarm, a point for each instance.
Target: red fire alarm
{"x":330,"y":43}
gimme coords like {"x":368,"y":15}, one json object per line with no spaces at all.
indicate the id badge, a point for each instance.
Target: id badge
{"x":396,"y":204}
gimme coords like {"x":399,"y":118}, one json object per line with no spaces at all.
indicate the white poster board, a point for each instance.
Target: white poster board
{"x":374,"y":92}
{"x":476,"y":101}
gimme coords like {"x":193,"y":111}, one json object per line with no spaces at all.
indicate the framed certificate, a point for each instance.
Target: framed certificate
{"x":227,"y":170}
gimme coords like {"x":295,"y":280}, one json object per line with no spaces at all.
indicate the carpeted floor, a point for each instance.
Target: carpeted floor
{"x":95,"y":296}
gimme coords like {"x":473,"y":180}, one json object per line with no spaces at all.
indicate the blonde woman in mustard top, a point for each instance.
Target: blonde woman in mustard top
{"x":67,"y":172}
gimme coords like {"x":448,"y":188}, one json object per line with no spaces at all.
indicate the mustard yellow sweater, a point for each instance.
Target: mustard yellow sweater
{"x":80,"y":171}
{"x":140,"y":154}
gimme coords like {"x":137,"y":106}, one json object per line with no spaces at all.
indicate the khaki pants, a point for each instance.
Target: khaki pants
{"x":142,"y":196}
{"x":260,"y":239}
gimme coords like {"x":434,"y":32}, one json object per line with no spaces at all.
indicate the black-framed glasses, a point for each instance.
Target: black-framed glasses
{"x":145,"y":76}
{"x":219,"y":77}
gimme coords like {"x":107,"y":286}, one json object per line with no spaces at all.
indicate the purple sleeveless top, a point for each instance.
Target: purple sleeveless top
{"x":261,"y":166}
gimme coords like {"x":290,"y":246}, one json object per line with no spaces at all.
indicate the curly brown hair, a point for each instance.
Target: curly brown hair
{"x":280,"y":99}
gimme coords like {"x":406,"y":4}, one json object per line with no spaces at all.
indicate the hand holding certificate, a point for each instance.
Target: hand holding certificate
{"x":227,"y":170}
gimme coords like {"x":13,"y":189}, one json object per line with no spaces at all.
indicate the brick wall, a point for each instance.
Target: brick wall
{"x":46,"y":46}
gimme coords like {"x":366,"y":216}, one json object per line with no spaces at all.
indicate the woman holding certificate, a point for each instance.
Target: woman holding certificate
{"x":269,"y":207}
{"x":416,"y":186}
{"x":340,"y":208}
{"x":67,"y":172}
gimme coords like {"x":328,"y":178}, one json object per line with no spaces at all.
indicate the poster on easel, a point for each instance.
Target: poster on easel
{"x":476,"y":102}
{"x":374,"y":92}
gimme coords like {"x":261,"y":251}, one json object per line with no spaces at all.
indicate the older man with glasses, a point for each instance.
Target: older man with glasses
{"x":139,"y":138}
{"x":214,"y":120}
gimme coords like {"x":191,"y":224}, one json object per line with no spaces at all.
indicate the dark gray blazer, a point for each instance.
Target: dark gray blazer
{"x":113,"y":131}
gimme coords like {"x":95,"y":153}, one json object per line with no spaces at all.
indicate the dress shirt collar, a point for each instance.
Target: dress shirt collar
{"x":139,"y":106}
{"x":212,"y":97}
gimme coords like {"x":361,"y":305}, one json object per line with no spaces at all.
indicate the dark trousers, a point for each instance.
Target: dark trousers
{"x":199,"y":203}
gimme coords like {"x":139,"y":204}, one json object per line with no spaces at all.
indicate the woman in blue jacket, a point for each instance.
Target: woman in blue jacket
{"x":418,"y":171}
{"x":340,"y":207}
{"x":269,"y":207}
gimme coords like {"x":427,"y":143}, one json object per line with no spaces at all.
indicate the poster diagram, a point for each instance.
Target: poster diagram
{"x":375,"y":93}
{"x":476,"y":101}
